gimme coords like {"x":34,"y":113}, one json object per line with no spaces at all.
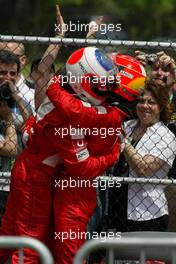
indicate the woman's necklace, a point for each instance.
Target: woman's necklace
{"x":138,"y":133}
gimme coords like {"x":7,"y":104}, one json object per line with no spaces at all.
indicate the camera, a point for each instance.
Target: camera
{"x":151,"y":58}
{"x":6,"y":95}
{"x":5,"y":92}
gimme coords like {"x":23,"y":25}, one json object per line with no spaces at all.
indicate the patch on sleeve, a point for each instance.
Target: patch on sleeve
{"x":82,"y":154}
{"x":101,"y":109}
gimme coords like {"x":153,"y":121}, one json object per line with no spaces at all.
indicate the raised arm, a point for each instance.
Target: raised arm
{"x":43,"y":73}
{"x":52,"y":51}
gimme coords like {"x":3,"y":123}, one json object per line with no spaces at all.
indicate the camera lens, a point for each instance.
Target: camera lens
{"x":5,"y":92}
{"x":151,"y":58}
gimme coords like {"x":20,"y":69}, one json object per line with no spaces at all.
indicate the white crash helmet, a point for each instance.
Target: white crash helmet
{"x":89,"y":70}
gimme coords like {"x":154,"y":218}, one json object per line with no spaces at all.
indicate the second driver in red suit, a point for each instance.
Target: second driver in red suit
{"x":73,"y":205}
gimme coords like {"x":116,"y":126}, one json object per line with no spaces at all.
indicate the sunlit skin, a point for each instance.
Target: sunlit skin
{"x":148,"y":110}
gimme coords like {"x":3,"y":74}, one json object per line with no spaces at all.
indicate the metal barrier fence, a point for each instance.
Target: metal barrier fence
{"x":27,"y":242}
{"x":167,"y":182}
{"x":133,"y":246}
{"x":76,"y":41}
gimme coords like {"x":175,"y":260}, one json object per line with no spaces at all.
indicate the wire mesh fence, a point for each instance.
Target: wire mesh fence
{"x":128,"y":199}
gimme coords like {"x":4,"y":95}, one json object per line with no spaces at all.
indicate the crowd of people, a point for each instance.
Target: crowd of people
{"x":47,"y":135}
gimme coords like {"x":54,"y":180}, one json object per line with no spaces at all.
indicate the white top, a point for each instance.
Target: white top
{"x":148,"y":201}
{"x":6,"y":164}
{"x":26,"y":93}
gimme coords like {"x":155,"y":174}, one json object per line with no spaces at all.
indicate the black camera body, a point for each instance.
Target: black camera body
{"x":6,"y":95}
{"x":5,"y":92}
{"x":151,"y":58}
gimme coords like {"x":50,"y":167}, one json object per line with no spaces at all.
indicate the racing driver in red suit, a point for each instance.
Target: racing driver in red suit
{"x":29,"y":204}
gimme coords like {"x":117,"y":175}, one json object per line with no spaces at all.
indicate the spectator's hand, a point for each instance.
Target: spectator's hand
{"x":5,"y":112}
{"x":12,"y":87}
{"x":13,"y":90}
{"x":94,"y":27}
{"x":141,"y":57}
{"x":166,"y":61}
{"x":60,"y":25}
{"x":123,"y":137}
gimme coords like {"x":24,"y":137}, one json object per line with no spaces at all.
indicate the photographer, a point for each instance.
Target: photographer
{"x":9,"y":70}
{"x":9,"y":94}
{"x":12,"y":117}
{"x":22,"y":86}
{"x":8,"y":150}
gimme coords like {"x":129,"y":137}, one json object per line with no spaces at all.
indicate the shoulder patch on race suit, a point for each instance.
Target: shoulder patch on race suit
{"x":45,"y":108}
{"x":101,"y":109}
{"x":82,"y":154}
{"x":52,"y":161}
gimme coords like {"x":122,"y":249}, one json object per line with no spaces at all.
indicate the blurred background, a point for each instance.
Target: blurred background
{"x":140,"y":19}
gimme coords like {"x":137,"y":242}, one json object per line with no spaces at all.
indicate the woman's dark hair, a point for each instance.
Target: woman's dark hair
{"x":161,"y":95}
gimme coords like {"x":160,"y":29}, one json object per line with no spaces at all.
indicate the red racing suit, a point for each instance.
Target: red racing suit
{"x":29,"y":206}
{"x":74,"y":204}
